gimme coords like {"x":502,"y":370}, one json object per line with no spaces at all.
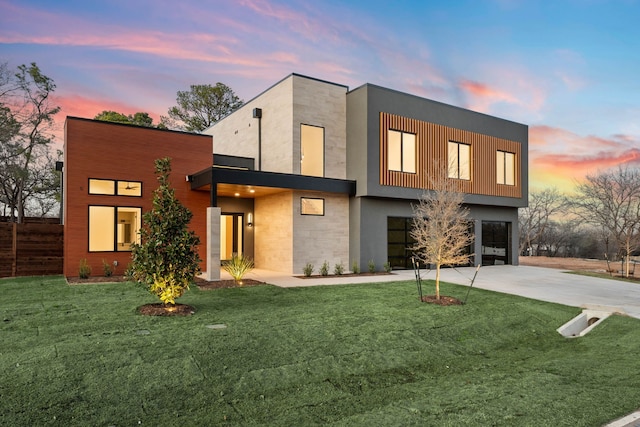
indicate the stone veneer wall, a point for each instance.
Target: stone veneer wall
{"x":273,"y":226}
{"x":322,"y":104}
{"x":237,"y":134}
{"x":321,"y":238}
{"x":294,"y":101}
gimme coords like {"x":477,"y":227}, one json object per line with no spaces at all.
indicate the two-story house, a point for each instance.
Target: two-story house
{"x":307,"y":172}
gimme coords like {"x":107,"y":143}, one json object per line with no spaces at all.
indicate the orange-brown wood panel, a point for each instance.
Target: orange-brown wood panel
{"x":95,"y":149}
{"x":431,"y":156}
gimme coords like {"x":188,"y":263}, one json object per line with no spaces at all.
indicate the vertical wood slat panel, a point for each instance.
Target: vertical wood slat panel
{"x":431,"y":150}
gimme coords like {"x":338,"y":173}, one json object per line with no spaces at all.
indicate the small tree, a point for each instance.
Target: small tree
{"x":440,"y":227}
{"x":165,"y":261}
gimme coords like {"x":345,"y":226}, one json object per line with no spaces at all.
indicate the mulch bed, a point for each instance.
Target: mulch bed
{"x":444,"y":300}
{"x":222,"y":284}
{"x":329,"y":276}
{"x":159,"y":309}
{"x":201,"y":283}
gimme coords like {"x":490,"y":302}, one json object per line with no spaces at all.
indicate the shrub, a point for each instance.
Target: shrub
{"x":387,"y":267}
{"x":354,"y":267}
{"x":84,"y":271}
{"x":238,"y":266}
{"x":338,"y":269}
{"x":308,"y":269}
{"x":324,"y":270}
{"x":107,"y":268}
{"x":165,"y":261}
{"x":372,"y":266}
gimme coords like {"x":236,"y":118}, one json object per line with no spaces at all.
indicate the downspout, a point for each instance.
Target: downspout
{"x":257,"y":114}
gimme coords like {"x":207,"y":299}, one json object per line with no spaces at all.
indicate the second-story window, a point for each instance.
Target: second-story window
{"x":401,"y":151}
{"x":311,"y":150}
{"x":506,"y":168}
{"x":459,"y":160}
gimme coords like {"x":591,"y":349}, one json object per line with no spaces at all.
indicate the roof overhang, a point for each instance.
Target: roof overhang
{"x":214,"y":176}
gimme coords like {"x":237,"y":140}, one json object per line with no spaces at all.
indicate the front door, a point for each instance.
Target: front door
{"x":231,"y":236}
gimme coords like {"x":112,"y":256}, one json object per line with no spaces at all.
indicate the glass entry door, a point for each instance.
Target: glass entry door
{"x":231,"y":235}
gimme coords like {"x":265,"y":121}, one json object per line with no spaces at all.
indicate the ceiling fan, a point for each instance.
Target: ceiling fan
{"x":130,"y":187}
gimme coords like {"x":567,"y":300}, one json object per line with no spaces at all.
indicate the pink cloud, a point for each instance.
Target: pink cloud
{"x":562,"y":158}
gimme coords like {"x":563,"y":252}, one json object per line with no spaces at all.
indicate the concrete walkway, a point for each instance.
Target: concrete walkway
{"x":545,"y":284}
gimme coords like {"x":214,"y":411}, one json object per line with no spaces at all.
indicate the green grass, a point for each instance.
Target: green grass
{"x":340,"y":355}
{"x":617,"y":277}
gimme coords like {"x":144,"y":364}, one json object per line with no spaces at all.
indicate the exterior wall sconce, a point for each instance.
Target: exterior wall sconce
{"x":250,"y":220}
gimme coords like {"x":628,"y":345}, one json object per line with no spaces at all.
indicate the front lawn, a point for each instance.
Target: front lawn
{"x":344,"y":355}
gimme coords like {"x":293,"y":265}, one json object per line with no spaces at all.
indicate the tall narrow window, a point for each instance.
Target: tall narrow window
{"x":113,"y":228}
{"x":401,"y":150}
{"x":311,"y":150}
{"x":506,"y":168}
{"x":459,"y":160}
{"x":101,"y":228}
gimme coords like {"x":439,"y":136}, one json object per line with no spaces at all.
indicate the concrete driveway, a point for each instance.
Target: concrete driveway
{"x":553,"y":285}
{"x":545,"y":284}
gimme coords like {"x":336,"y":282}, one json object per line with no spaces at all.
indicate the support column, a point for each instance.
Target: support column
{"x":213,"y":244}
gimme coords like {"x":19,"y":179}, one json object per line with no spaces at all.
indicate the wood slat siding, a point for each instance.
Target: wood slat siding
{"x":30,"y":249}
{"x":431,"y":150}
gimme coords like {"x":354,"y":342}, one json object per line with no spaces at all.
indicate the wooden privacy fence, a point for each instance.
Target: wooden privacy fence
{"x":30,"y":249}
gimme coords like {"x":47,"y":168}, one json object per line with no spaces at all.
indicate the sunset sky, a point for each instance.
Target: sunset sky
{"x":569,"y":69}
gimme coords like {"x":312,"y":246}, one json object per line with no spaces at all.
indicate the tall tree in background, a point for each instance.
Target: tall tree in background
{"x":137,"y":119}
{"x":201,"y":107}
{"x":612,"y":200}
{"x":440,"y":226}
{"x":26,"y":120}
{"x":535,"y":218}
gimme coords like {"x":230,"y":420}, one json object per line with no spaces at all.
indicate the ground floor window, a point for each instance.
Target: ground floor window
{"x":113,"y":228}
{"x":496,"y":243}
{"x":399,"y":241}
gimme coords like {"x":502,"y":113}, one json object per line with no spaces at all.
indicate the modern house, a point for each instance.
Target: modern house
{"x":306,"y":172}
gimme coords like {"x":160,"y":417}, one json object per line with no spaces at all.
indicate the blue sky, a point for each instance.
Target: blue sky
{"x":568,"y":69}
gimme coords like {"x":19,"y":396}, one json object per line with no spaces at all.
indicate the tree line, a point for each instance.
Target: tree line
{"x":600,"y":220}
{"x":29,"y":182}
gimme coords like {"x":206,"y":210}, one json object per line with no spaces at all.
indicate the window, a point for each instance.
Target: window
{"x":399,"y":242}
{"x":506,"y":168}
{"x":311,"y":150}
{"x":459,"y":160}
{"x":102,"y":186}
{"x":112,"y":187}
{"x":310,"y":206}
{"x":401,"y":151}
{"x":129,"y":188}
{"x":113,"y":228}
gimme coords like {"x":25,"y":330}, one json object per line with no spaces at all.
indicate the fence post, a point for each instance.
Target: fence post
{"x":14,"y":250}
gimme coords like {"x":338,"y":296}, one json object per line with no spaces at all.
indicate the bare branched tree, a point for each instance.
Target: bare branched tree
{"x":612,"y":200}
{"x":535,"y":218}
{"x":26,"y":120}
{"x":441,"y":227}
